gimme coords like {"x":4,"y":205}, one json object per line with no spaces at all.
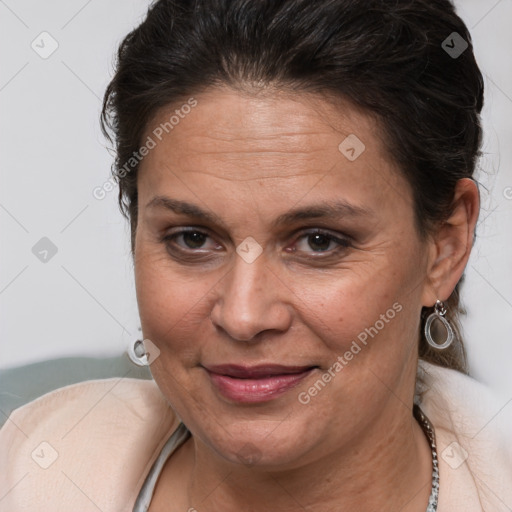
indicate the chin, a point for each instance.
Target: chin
{"x":261,"y":443}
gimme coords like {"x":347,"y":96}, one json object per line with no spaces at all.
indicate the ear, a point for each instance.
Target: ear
{"x":450,"y":246}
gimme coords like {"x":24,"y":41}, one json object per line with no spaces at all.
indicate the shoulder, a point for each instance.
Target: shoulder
{"x":91,"y":443}
{"x":473,"y":427}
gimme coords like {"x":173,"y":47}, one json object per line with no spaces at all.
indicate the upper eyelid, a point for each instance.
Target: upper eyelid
{"x":167,"y":236}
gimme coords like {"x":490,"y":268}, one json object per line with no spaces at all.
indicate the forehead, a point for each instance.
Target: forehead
{"x":288,"y":143}
{"x":224,"y":121}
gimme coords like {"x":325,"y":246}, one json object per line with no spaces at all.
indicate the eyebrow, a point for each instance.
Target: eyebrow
{"x":332,"y":210}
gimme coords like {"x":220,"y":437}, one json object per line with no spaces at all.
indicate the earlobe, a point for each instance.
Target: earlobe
{"x":452,"y":243}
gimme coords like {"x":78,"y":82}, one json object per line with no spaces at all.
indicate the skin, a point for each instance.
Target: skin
{"x":249,"y":158}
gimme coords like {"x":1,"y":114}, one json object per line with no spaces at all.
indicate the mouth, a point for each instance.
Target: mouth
{"x":254,"y":384}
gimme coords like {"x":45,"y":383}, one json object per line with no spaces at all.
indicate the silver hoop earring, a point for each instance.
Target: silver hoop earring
{"x":438,"y":314}
{"x":137,"y":353}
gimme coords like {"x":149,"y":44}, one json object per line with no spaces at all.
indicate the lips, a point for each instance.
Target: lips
{"x":255,"y":372}
{"x":255,"y":383}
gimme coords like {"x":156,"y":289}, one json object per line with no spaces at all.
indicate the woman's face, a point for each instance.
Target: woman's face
{"x":276,"y":237}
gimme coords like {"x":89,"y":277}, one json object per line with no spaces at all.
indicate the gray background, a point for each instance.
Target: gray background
{"x":81,"y":301}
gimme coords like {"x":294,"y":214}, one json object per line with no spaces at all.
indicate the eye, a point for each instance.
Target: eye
{"x":319,"y":241}
{"x":191,"y":239}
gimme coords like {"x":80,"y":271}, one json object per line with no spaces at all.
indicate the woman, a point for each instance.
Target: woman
{"x":298,"y":179}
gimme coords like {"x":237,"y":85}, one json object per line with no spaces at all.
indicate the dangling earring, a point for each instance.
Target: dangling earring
{"x":438,"y":314}
{"x":143,"y":352}
{"x":137,"y":353}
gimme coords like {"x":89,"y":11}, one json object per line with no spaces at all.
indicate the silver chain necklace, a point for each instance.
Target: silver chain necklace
{"x":428,"y":429}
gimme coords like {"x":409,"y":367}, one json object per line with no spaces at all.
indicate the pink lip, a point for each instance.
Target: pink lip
{"x":256,"y":383}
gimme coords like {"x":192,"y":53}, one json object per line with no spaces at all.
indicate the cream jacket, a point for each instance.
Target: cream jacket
{"x":89,"y":446}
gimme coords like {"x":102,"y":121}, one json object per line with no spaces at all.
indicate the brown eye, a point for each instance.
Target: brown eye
{"x":194,"y":239}
{"x":319,"y":241}
{"x":189,"y":240}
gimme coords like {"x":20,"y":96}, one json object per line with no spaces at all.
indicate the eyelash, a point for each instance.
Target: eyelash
{"x":343,"y":242}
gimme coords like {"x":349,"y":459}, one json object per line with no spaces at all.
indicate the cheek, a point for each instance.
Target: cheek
{"x":342,"y":308}
{"x":172,"y":310}
{"x":172,"y":305}
{"x":366,"y":323}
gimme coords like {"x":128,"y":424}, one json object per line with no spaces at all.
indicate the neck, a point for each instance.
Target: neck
{"x":387,"y":467}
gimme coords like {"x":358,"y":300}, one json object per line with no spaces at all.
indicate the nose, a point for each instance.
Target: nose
{"x":249,"y":302}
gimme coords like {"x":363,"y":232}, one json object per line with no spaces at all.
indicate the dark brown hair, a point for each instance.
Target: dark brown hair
{"x":395,"y":59}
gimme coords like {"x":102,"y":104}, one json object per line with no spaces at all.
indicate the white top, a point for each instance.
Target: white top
{"x":179,"y":436}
